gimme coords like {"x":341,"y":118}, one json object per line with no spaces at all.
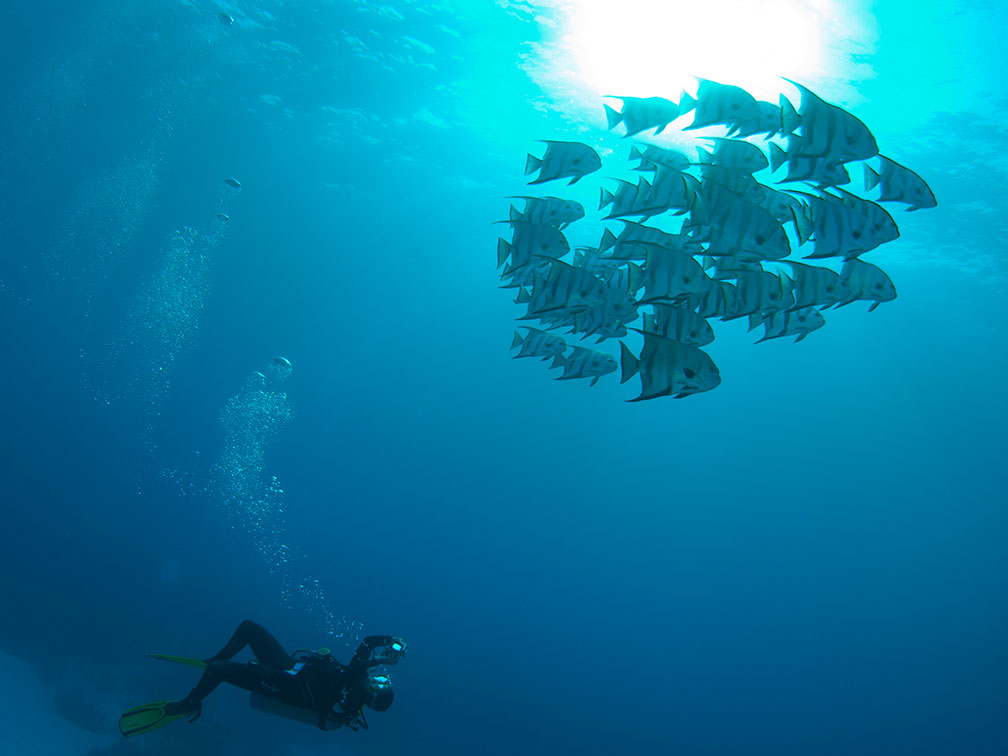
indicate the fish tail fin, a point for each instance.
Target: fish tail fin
{"x":523,"y":296}
{"x":613,"y":117}
{"x":629,"y":364}
{"x":608,"y":240}
{"x":705,"y":157}
{"x":558,"y":361}
{"x":755,"y":319}
{"x":532,"y":164}
{"x":871,"y":178}
{"x":503,"y":252}
{"x":607,"y":198}
{"x":790,"y":120}
{"x":686,"y":103}
{"x":516,"y":341}
{"x":803,"y":226}
{"x":515,"y":215}
{"x":636,"y":276}
{"x":777,"y":156}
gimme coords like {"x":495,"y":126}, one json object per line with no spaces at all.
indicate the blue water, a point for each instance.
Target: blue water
{"x":808,"y":559}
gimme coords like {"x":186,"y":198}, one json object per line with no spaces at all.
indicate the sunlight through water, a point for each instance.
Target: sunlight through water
{"x":643,"y":48}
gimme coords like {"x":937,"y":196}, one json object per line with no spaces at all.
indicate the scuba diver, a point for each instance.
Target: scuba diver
{"x":309,"y":686}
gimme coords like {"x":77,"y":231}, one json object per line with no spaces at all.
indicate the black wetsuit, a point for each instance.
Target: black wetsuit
{"x":335,"y":691}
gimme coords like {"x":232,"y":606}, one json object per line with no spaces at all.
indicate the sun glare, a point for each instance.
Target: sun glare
{"x":643,"y":48}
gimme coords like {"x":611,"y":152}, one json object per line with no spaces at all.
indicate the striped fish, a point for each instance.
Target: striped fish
{"x":668,"y":368}
{"x":530,"y":240}
{"x":621,"y":202}
{"x":565,"y":289}
{"x":815,"y":286}
{"x":548,"y":211}
{"x":650,"y":157}
{"x":899,"y":184}
{"x":669,"y":276}
{"x":538,"y":344}
{"x":679,"y":323}
{"x":847,"y":226}
{"x":672,"y":191}
{"x":719,"y":104}
{"x":821,"y":171}
{"x":563,"y":160}
{"x":737,"y":227}
{"x":798,"y":323}
{"x":826,"y":130}
{"x":761,"y":291}
{"x":640,"y":113}
{"x":639,"y":233}
{"x":735,"y":154}
{"x":866,"y":282}
{"x":586,"y":363}
{"x":718,"y":300}
{"x":768,"y":122}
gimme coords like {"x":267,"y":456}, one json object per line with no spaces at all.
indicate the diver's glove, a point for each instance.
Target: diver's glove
{"x":394,"y":650}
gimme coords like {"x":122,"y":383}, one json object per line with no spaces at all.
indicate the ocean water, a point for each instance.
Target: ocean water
{"x":808,"y":559}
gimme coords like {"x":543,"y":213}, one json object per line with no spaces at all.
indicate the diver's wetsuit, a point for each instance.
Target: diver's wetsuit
{"x":319,"y":683}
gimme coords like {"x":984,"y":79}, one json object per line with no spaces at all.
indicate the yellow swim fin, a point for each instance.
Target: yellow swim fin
{"x":198,"y":663}
{"x":146,"y":717}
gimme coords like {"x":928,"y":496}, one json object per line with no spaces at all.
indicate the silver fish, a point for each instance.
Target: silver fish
{"x":826,"y":130}
{"x":821,"y":171}
{"x":549,"y":211}
{"x":718,"y":300}
{"x":668,"y":368}
{"x":798,"y":323}
{"x":768,"y":122}
{"x":735,"y":154}
{"x":679,"y":323}
{"x":529,"y":241}
{"x":587,"y":363}
{"x":641,"y":113}
{"x":899,"y":184}
{"x":737,"y":227}
{"x":719,"y":104}
{"x":650,"y":157}
{"x":761,"y":291}
{"x":538,"y":343}
{"x":563,"y":160}
{"x":669,"y":276}
{"x":866,"y":281}
{"x":815,"y":286}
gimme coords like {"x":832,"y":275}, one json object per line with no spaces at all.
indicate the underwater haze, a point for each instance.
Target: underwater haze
{"x":257,"y":366}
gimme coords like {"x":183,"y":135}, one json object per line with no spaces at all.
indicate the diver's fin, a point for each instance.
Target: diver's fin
{"x":146,"y":717}
{"x":198,"y":663}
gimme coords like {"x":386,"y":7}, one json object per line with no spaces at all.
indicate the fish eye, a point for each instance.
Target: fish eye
{"x":760,"y":239}
{"x":689,"y":373}
{"x":878,"y":286}
{"x":856,"y":234}
{"x":577,"y":160}
{"x":851,"y":139}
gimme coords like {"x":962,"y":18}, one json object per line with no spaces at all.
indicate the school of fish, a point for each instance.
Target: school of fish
{"x":730,"y":253}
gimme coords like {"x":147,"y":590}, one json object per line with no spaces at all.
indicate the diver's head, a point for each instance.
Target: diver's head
{"x":377,"y":689}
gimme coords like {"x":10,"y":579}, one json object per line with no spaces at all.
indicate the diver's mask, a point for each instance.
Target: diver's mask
{"x":378,"y":687}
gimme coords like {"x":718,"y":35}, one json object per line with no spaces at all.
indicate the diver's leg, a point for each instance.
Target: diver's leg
{"x":266,"y":648}
{"x":253,"y":677}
